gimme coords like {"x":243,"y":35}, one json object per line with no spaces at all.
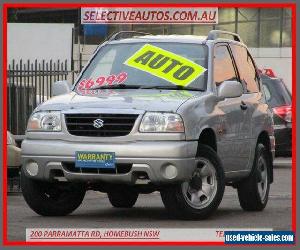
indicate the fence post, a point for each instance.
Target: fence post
{"x":40,"y":83}
{"x":65,"y":71}
{"x":11,"y":84}
{"x":80,"y":62}
{"x":43,"y":75}
{"x":48,"y":83}
{"x":9,"y":98}
{"x":21,"y":96}
{"x":27,"y":85}
{"x":17,"y":99}
{"x":51,"y":77}
{"x":58,"y":63}
{"x":33,"y":79}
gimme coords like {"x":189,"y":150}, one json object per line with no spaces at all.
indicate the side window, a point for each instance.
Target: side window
{"x":223,"y":66}
{"x":246,"y":68}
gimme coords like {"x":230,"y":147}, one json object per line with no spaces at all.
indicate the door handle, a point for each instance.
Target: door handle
{"x":243,"y":105}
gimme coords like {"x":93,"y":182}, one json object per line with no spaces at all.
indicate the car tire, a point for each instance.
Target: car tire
{"x":122,"y":197}
{"x":199,"y":197}
{"x":51,"y":198}
{"x":253,"y":192}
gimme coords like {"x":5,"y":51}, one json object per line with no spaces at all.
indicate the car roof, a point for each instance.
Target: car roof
{"x":266,"y":77}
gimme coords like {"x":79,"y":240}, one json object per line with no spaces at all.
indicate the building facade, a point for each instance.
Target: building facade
{"x":266,"y":31}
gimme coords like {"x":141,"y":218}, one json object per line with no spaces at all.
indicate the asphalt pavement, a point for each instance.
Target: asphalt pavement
{"x":96,"y":211}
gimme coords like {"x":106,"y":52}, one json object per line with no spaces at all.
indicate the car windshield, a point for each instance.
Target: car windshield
{"x":147,"y":65}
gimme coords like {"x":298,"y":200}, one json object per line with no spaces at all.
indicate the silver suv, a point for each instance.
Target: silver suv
{"x":182,"y":115}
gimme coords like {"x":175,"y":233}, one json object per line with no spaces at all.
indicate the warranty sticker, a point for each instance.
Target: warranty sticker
{"x":166,"y":65}
{"x":87,"y":159}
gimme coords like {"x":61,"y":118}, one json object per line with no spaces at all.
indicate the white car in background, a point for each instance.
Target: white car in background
{"x":13,"y":156}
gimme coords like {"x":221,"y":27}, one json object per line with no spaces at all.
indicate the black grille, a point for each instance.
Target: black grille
{"x":121,"y":168}
{"x":113,"y":124}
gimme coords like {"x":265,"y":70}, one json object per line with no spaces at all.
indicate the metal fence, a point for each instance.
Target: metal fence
{"x":28,"y":85}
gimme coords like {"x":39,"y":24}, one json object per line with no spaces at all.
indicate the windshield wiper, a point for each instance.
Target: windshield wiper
{"x":120,"y":86}
{"x":123,"y":86}
{"x":175,"y":87}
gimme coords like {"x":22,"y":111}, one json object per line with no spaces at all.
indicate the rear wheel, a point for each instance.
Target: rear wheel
{"x":51,"y":198}
{"x":199,"y":197}
{"x":122,"y":196}
{"x":253,"y":192}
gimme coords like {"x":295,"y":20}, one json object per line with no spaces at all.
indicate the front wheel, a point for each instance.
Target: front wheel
{"x":51,"y":198}
{"x":253,"y":192}
{"x":199,"y":197}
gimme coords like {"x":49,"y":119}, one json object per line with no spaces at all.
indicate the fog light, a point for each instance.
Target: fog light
{"x":32,"y":168}
{"x":170,"y":171}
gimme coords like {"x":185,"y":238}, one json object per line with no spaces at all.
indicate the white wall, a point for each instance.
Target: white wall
{"x":279,"y":59}
{"x":41,"y":41}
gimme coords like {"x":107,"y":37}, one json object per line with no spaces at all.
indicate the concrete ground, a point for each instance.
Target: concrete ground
{"x":96,"y":211}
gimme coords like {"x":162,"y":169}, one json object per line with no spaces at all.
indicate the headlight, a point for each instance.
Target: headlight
{"x":162,"y":122}
{"x":45,"y":121}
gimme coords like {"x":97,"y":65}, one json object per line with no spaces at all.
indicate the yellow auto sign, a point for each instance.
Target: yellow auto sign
{"x":165,"y":64}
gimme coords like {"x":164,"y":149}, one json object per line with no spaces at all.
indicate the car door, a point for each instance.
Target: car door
{"x":251,"y":100}
{"x":230,"y":145}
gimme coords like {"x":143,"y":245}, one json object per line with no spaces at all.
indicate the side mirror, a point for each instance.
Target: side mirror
{"x":230,"y":89}
{"x":60,"y":88}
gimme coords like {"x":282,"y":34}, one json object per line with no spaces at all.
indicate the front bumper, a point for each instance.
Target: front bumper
{"x":146,"y":158}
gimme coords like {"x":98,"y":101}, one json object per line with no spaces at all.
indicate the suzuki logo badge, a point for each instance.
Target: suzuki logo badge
{"x":98,"y":123}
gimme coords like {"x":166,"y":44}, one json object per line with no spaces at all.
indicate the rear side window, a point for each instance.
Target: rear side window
{"x":246,"y":68}
{"x":276,"y":92}
{"x":223,"y":66}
